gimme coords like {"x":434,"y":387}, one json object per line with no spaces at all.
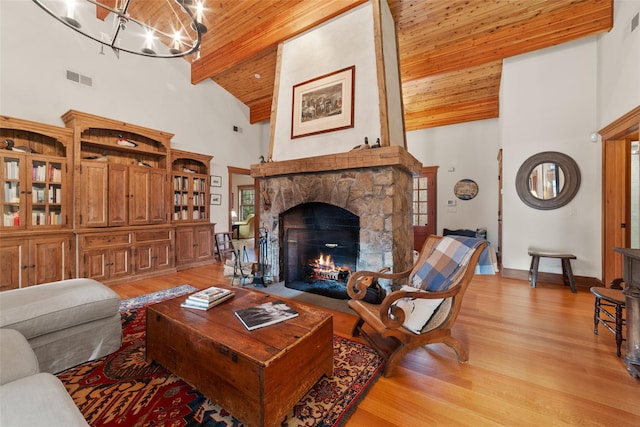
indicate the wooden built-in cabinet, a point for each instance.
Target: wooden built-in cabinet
{"x":190,"y":186}
{"x":194,"y":245}
{"x":27,"y":261}
{"x":190,"y":192}
{"x":121,"y":254}
{"x":101,"y":199}
{"x":36,"y":241}
{"x":121,"y":176}
{"x":122,"y":171}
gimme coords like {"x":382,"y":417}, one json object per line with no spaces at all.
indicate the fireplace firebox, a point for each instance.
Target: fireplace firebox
{"x":321,"y":246}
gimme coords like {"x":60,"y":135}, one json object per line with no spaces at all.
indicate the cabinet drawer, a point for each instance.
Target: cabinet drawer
{"x":110,"y":239}
{"x":151,"y":236}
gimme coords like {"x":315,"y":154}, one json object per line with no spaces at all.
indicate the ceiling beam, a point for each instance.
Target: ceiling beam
{"x":287,"y":23}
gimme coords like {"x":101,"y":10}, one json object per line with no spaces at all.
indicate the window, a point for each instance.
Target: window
{"x":420,"y":200}
{"x":247,"y":201}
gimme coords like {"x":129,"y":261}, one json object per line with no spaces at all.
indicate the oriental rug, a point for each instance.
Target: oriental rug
{"x":122,"y":389}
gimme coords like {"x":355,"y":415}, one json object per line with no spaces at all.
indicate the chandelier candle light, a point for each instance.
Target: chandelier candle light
{"x":152,"y":28}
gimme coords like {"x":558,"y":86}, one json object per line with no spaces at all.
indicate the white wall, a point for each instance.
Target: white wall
{"x":548,"y":103}
{"x":470,"y":149}
{"x":36,"y":51}
{"x":619,"y":65}
{"x":553,"y":99}
{"x":340,"y":43}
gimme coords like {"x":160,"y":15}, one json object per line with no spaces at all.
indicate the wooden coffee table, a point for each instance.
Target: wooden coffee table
{"x":257,"y":375}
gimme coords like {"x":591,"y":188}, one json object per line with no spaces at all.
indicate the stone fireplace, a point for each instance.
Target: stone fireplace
{"x":374,"y":186}
{"x":320,"y":248}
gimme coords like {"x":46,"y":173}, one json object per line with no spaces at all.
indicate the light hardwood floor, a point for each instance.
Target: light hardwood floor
{"x":533,"y":361}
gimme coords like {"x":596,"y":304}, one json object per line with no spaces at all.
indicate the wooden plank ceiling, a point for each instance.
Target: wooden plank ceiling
{"x":450,"y":51}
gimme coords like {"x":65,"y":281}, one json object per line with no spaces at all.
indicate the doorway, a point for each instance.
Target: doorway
{"x":242,"y":201}
{"x":620,"y":197}
{"x":424,"y":205}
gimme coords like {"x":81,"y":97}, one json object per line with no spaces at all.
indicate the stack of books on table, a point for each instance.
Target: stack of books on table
{"x":207,"y":298}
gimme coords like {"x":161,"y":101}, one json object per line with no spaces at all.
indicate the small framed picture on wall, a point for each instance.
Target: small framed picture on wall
{"x":216,"y":199}
{"x":216,"y":181}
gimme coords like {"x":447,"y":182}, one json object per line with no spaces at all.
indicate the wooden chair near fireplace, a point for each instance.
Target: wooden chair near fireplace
{"x":423,"y":310}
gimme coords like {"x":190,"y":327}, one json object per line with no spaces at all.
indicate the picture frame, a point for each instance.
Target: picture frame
{"x":216,"y":181}
{"x":323,"y":104}
{"x":216,"y":199}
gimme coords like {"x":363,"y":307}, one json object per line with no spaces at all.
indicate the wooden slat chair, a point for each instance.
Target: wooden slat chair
{"x":411,"y":317}
{"x":224,"y":246}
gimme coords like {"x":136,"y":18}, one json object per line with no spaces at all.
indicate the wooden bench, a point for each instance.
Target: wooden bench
{"x":567,"y":273}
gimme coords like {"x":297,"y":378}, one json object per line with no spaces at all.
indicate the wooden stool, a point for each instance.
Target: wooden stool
{"x":567,"y":273}
{"x":610,"y":298}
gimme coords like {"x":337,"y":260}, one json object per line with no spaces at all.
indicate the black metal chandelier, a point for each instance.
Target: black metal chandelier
{"x":152,"y":28}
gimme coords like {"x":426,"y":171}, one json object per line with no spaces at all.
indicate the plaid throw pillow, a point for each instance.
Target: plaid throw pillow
{"x":443,"y":266}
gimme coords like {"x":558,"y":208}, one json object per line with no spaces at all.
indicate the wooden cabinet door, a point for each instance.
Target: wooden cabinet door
{"x":14,"y":258}
{"x":157,"y":197}
{"x":185,"y":245}
{"x":144,"y":258}
{"x":95,"y":264}
{"x":118,"y":195}
{"x":139,"y":190}
{"x":163,"y":256}
{"x":94,"y":190}
{"x":120,"y":262}
{"x":204,"y":242}
{"x":48,"y":257}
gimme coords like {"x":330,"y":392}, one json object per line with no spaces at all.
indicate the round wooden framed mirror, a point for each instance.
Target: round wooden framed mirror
{"x":548,"y":180}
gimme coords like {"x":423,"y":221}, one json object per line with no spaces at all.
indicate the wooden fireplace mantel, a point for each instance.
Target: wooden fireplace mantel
{"x":373,"y":157}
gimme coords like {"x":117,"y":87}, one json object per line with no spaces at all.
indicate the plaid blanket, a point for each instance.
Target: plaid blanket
{"x":445,"y":264}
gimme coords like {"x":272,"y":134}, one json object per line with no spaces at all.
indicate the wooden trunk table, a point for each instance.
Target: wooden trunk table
{"x":256,"y":375}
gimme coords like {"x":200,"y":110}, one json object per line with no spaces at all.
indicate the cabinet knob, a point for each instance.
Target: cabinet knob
{"x":32,"y":266}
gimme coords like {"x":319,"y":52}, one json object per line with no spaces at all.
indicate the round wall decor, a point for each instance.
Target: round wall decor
{"x":465,"y":189}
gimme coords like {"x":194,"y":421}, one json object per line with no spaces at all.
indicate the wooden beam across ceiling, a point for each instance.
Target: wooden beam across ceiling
{"x":259,"y":25}
{"x":450,"y":51}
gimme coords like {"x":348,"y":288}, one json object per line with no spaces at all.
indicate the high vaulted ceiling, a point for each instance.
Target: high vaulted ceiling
{"x":450,"y":51}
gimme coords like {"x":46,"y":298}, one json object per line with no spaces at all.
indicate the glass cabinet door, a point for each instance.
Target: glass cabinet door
{"x":13,"y":200}
{"x":199,"y":194}
{"x":180,"y":197}
{"x":46,"y":193}
{"x":189,"y":197}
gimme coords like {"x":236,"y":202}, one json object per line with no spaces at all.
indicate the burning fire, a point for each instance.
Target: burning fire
{"x":324,"y":268}
{"x":327,"y":263}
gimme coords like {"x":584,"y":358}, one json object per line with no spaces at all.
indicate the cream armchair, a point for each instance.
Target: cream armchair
{"x":245,"y":228}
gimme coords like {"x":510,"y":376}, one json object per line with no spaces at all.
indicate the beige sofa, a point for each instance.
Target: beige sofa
{"x":47,"y":329}
{"x":27,"y":396}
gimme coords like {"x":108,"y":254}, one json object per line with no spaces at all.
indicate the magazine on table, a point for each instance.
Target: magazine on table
{"x":203,"y":305}
{"x":265,"y":314}
{"x":210,"y":294}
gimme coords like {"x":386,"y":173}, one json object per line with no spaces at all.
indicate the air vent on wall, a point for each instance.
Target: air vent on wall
{"x":79,"y":78}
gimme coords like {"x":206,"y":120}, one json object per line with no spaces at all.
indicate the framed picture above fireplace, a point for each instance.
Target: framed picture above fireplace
{"x":323,"y":104}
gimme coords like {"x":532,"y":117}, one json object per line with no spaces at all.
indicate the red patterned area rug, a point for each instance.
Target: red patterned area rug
{"x":122,"y":389}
